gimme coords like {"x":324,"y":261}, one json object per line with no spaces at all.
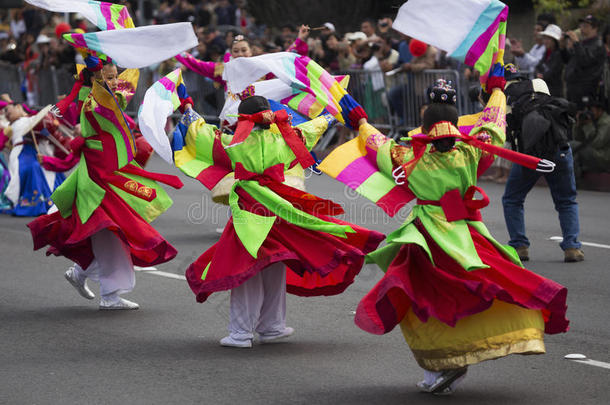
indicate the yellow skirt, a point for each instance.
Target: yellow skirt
{"x":501,"y":330}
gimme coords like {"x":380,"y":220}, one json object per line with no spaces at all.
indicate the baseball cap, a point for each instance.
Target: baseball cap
{"x":591,"y":20}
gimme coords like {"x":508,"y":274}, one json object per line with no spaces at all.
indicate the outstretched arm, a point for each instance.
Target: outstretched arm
{"x":211,"y":70}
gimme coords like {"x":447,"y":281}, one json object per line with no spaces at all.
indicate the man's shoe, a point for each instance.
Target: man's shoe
{"x":572,"y":255}
{"x":228,"y":341}
{"x":523,"y":253}
{"x":122,"y":303}
{"x":82,"y":288}
{"x":271,"y":337}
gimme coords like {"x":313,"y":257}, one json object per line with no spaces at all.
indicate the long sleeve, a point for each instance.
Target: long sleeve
{"x":366,"y":164}
{"x":588,"y":55}
{"x":312,"y":130}
{"x":199,"y":150}
{"x":530,"y":60}
{"x":299,"y":46}
{"x":493,"y":120}
{"x":211,"y":70}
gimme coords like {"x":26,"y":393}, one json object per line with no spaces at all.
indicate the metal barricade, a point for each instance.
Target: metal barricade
{"x":407,"y":93}
{"x":12,"y":77}
{"x":207,"y":95}
{"x":368,"y":87}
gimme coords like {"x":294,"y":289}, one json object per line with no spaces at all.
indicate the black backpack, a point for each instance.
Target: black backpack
{"x":539,"y":124}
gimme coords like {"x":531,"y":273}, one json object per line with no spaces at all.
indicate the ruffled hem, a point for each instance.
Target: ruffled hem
{"x":448,"y":292}
{"x":70,"y":238}
{"x":317,"y":263}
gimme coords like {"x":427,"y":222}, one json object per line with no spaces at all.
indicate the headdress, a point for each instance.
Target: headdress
{"x":238,"y":38}
{"x":442,"y":92}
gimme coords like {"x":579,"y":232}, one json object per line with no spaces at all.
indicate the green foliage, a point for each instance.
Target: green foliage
{"x":559,"y":7}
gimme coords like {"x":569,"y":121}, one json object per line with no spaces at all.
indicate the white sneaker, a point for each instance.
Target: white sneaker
{"x":228,"y":341}
{"x":122,"y":303}
{"x":81,"y":287}
{"x":271,"y":337}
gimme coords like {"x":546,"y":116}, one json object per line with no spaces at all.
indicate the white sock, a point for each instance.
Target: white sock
{"x":431,"y":376}
{"x":111,"y":298}
{"x":79,"y":274}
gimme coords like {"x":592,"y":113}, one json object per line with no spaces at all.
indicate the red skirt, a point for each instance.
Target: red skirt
{"x":70,"y":238}
{"x":446,"y":291}
{"x":317,"y":263}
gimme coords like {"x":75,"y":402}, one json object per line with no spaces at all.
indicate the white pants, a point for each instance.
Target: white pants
{"x":112,"y":265}
{"x":259,"y":304}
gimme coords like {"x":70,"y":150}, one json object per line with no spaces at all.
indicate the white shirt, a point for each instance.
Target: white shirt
{"x":529,"y":61}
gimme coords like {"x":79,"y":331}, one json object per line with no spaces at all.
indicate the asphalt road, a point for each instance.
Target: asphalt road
{"x":57,"y":348}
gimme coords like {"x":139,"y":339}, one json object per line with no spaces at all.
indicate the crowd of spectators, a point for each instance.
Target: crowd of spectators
{"x":573,"y":62}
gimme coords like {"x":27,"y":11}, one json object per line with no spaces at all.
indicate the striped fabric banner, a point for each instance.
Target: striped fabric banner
{"x":357,"y":165}
{"x":138,"y":47}
{"x":106,"y":16}
{"x":312,"y":89}
{"x":471,"y":31}
{"x":160,"y":100}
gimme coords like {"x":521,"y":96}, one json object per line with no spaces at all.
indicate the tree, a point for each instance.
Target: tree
{"x":346,"y":15}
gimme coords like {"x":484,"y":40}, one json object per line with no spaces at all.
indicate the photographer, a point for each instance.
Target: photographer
{"x":591,"y":144}
{"x":540,"y":125}
{"x":584,"y":56}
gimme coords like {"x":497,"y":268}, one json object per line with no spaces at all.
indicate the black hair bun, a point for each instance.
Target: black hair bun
{"x":442,"y":92}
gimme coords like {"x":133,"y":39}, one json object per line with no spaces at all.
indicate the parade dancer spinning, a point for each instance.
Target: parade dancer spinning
{"x":279,"y":238}
{"x":240,"y":48}
{"x":32,"y":136}
{"x":107,"y":203}
{"x":459,"y":296}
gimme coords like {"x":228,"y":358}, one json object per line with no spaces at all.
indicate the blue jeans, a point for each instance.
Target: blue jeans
{"x":563,"y":190}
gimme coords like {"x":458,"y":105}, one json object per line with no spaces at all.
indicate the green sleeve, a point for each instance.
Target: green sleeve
{"x":312,"y":130}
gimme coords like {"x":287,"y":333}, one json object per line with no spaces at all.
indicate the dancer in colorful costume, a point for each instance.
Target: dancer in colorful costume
{"x":107,"y":203}
{"x":125,"y":83}
{"x":279,"y":238}
{"x":459,"y":296}
{"x":32,"y":137}
{"x":240,"y":48}
{"x":5,"y":133}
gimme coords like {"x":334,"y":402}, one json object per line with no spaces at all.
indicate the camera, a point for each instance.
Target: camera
{"x":586,"y":115}
{"x":375,"y":46}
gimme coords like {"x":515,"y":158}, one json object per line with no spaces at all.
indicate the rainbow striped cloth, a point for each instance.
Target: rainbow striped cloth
{"x":359,"y":166}
{"x":106,"y":16}
{"x":471,"y":31}
{"x":137,"y":47}
{"x":311,"y":88}
{"x":161,"y":100}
